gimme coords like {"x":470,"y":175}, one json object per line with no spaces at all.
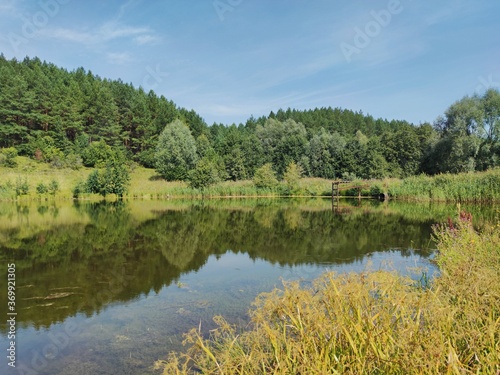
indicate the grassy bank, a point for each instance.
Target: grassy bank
{"x":145,"y":183}
{"x":462,"y":187}
{"x":371,"y":323}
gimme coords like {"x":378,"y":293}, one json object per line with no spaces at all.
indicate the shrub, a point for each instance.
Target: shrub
{"x":9,"y":157}
{"x":53,"y":187}
{"x":113,"y":180}
{"x":265,"y":177}
{"x":292,"y":177}
{"x":22,"y":187}
{"x":41,"y":188}
{"x":79,"y":189}
{"x":204,"y":174}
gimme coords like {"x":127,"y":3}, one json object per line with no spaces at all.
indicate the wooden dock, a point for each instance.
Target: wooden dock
{"x":336,"y":188}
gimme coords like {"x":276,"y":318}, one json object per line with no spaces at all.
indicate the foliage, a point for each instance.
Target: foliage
{"x":113,"y":180}
{"x":22,"y":186}
{"x":9,"y":157}
{"x":376,"y":322}
{"x":67,"y":119}
{"x":203,"y":175}
{"x":96,"y":154}
{"x":292,"y":178}
{"x":175,"y":152}
{"x":53,"y":187}
{"x":41,"y":188}
{"x":265,"y":177}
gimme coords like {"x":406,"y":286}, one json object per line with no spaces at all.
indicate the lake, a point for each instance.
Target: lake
{"x":107,"y":288}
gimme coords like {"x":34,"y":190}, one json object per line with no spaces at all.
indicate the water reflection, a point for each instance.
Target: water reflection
{"x":133,"y":276}
{"x":80,"y":258}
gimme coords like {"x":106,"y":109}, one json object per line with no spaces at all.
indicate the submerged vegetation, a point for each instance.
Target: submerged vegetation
{"x":380,"y":322}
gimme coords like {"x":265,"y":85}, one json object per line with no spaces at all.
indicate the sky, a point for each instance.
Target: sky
{"x":232,"y":59}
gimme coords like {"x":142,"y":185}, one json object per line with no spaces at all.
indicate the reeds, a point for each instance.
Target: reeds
{"x":462,"y":187}
{"x":370,"y":323}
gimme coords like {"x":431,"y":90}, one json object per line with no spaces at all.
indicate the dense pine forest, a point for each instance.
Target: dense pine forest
{"x":76,"y":118}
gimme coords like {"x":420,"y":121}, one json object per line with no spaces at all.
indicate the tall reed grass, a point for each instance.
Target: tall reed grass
{"x":462,"y":187}
{"x":370,"y":323}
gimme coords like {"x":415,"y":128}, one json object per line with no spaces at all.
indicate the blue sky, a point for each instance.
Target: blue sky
{"x":229,"y":59}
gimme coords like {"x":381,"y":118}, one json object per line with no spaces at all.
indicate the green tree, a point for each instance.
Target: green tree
{"x":292,"y":177}
{"x":265,"y":177}
{"x":175,"y":152}
{"x":282,"y":142}
{"x":325,"y":154}
{"x":235,"y":165}
{"x":204,"y":174}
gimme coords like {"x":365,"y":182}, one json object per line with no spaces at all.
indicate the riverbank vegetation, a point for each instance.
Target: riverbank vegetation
{"x":32,"y":180}
{"x":376,"y":322}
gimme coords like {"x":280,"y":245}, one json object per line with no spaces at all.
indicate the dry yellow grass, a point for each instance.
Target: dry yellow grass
{"x":370,"y":323}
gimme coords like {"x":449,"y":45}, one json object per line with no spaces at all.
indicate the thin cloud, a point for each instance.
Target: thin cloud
{"x":105,"y":33}
{"x":146,"y":39}
{"x":119,"y":58}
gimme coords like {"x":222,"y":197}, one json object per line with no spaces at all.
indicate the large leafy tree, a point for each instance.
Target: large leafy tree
{"x":470,"y":135}
{"x":175,"y":152}
{"x":282,"y":142}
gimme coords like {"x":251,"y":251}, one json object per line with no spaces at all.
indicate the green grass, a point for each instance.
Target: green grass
{"x":369,"y":323}
{"x":145,"y":183}
{"x":462,"y":187}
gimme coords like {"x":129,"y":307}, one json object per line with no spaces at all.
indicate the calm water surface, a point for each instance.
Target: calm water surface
{"x":107,"y":288}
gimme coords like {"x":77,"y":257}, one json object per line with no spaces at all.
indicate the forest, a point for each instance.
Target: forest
{"x":76,"y":118}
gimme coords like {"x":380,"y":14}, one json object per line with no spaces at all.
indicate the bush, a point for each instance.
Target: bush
{"x":376,"y":190}
{"x":204,"y":174}
{"x":41,"y":188}
{"x":97,"y":154}
{"x":292,"y":177}
{"x":79,"y":189}
{"x":9,"y":157}
{"x":53,"y":187}
{"x":265,"y":177}
{"x":22,"y":187}
{"x":113,"y":180}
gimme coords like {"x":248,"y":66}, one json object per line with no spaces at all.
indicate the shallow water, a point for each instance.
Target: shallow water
{"x":106,"y":288}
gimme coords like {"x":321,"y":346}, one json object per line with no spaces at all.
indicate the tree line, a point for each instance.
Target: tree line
{"x":74,"y":118}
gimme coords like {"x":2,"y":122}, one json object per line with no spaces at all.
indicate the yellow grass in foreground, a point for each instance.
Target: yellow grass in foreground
{"x":370,"y":323}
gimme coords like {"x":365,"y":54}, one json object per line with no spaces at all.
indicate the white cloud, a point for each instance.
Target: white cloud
{"x":146,"y":39}
{"x":105,"y":33}
{"x":119,"y":58}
